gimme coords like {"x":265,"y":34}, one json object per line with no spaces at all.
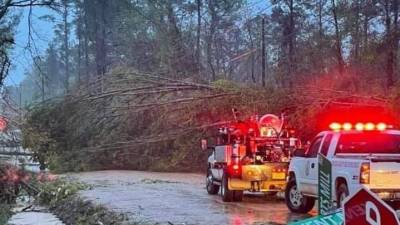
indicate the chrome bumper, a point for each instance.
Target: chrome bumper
{"x":387,"y":194}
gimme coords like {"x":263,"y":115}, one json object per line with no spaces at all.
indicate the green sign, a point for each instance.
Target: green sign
{"x":335,"y":218}
{"x":324,"y":185}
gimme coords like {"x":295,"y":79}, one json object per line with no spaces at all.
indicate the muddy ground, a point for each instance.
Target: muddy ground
{"x":178,"y":198}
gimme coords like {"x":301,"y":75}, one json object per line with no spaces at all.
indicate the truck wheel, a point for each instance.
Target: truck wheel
{"x":212,"y":189}
{"x":237,"y":196}
{"x":295,"y":201}
{"x":341,"y":193}
{"x":226,"y":194}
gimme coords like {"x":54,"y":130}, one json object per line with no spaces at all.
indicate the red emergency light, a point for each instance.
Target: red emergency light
{"x":335,"y":126}
{"x":362,"y":118}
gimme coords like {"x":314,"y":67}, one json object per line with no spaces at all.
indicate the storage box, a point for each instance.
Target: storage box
{"x":224,"y":153}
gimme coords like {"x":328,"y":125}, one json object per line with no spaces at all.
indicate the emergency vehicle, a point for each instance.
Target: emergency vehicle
{"x":250,"y":155}
{"x":361,"y":154}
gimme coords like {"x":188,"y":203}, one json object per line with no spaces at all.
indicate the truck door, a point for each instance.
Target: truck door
{"x":216,"y":166}
{"x":310,"y":185}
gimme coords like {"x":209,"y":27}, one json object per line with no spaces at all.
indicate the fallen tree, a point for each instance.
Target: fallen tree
{"x":131,"y":120}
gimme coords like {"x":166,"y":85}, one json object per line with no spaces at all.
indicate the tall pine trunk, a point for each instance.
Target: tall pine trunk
{"x":338,"y":40}
{"x":291,"y":43}
{"x":389,"y":45}
{"x":198,"y":53}
{"x":66,"y":45}
{"x":210,"y":38}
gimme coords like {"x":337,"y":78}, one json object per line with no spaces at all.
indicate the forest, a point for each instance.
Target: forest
{"x":135,"y":84}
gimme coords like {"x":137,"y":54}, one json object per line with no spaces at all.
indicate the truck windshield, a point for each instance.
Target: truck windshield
{"x":369,"y":143}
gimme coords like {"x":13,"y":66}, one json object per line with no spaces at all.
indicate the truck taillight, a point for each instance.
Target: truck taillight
{"x":253,"y":146}
{"x":235,"y":169}
{"x":364,"y":173}
{"x":279,"y":170}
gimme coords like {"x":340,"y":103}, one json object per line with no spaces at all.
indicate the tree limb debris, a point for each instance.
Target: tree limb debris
{"x":138,"y":115}
{"x":149,"y":139}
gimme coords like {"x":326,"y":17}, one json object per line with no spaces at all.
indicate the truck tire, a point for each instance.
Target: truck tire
{"x":295,"y":201}
{"x":212,"y":189}
{"x":237,"y":196}
{"x":341,"y":193}
{"x":226,"y":194}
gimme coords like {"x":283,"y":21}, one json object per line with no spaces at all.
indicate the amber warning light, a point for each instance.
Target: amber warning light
{"x":359,"y":126}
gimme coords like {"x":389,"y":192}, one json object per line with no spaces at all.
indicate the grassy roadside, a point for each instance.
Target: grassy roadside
{"x":62,"y":198}
{"x":5,"y":213}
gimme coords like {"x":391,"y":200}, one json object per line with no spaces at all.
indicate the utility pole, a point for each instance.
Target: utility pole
{"x":263,"y":51}
{"x":198,"y":36}
{"x":20,"y":103}
{"x":42,"y":76}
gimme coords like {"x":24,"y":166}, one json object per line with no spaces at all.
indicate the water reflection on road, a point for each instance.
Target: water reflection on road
{"x":179,"y":199}
{"x":259,"y":210}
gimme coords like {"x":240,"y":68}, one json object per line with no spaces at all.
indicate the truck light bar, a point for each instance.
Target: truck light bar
{"x":359,"y":126}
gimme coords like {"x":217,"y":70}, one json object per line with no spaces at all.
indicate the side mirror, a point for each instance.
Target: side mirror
{"x":300,"y":152}
{"x":204,"y":145}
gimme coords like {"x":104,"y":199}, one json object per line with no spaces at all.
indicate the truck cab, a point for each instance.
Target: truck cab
{"x":360,"y":154}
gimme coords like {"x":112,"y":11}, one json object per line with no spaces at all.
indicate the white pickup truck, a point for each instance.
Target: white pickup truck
{"x":367,"y":156}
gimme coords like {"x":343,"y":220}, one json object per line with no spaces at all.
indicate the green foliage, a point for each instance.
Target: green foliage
{"x":75,"y":134}
{"x":145,"y":123}
{"x":37,"y":136}
{"x":103,"y":124}
{"x":74,"y":210}
{"x":5,"y":213}
{"x":55,"y":191}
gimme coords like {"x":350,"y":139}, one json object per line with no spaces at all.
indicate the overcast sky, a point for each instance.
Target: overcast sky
{"x":22,"y":58}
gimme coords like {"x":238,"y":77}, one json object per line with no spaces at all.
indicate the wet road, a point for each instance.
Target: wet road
{"x":178,"y":198}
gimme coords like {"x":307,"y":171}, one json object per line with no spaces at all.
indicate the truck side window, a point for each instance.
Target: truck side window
{"x":326,"y":144}
{"x":313,"y":150}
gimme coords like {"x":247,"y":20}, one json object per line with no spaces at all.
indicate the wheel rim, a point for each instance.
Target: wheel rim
{"x":223,"y":187}
{"x":209,"y":181}
{"x":295,"y":196}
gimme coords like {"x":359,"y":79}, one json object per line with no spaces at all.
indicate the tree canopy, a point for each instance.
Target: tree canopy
{"x":267,"y":55}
